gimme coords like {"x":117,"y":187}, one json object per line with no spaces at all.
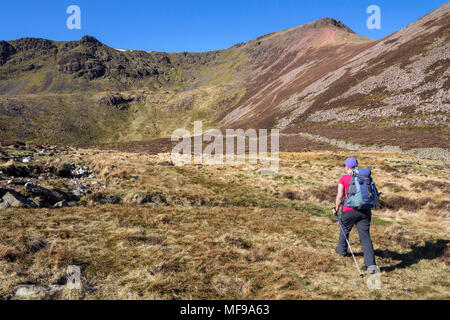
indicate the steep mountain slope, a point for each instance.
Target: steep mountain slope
{"x":392,"y":88}
{"x":318,"y":78}
{"x":286,"y":62}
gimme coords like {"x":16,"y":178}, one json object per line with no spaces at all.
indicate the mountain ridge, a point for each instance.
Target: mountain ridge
{"x":302,"y":79}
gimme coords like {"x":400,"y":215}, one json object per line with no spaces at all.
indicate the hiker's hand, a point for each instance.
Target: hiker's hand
{"x":334,"y":211}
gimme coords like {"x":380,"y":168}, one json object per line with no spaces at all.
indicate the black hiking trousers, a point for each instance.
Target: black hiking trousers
{"x":362,"y":220}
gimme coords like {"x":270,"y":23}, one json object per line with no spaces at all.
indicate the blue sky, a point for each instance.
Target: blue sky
{"x":195,"y":25}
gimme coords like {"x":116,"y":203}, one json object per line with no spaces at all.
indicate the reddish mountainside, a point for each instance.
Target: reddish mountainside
{"x":367,"y":90}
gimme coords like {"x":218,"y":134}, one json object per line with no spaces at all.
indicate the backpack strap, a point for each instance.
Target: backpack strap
{"x":346,"y":191}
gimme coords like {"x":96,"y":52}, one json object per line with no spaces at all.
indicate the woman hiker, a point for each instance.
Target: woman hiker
{"x":351,"y":217}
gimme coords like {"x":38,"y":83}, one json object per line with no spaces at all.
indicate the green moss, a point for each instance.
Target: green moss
{"x":380,"y":222}
{"x":25,"y":193}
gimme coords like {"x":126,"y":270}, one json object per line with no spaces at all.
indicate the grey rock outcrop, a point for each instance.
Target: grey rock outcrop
{"x":50,"y":196}
{"x":15,"y":201}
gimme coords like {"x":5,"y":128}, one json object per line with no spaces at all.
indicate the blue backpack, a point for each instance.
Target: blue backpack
{"x":362,"y":194}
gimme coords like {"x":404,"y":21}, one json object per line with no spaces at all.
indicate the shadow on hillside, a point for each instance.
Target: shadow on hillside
{"x":431,"y":250}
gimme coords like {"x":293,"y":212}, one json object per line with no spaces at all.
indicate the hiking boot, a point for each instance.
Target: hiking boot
{"x":342,"y":254}
{"x":371,"y":269}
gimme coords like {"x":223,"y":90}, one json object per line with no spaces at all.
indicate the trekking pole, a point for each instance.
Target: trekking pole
{"x":348,"y":243}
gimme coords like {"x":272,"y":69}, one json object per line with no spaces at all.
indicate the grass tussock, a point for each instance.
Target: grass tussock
{"x":291,"y":195}
{"x":327,"y":194}
{"x":396,"y":203}
{"x":431,"y":185}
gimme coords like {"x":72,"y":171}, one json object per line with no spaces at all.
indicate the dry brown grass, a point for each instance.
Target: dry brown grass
{"x":430,"y":185}
{"x":228,"y":232}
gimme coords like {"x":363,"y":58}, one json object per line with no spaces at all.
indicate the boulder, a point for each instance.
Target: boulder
{"x":80,"y":191}
{"x":15,"y":201}
{"x":50,"y":196}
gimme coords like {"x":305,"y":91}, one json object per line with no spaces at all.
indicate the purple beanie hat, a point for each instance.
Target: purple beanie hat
{"x":351,"y":163}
